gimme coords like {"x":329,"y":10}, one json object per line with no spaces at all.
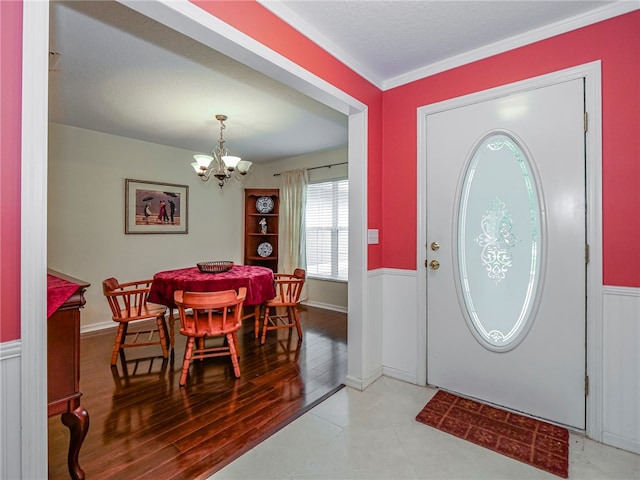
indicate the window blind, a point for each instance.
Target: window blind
{"x":327,"y":229}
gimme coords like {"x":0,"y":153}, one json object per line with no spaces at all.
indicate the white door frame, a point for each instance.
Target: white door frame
{"x":189,"y":19}
{"x":593,"y":104}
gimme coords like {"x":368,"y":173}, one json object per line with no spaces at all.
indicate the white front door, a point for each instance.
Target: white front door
{"x":506,"y":246}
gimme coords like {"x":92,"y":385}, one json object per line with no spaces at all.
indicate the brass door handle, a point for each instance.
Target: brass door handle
{"x":434,"y":264}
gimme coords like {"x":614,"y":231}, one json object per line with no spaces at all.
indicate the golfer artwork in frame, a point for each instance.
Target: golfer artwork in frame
{"x":155,"y":207}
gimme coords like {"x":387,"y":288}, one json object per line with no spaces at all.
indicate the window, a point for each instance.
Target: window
{"x":327,"y":229}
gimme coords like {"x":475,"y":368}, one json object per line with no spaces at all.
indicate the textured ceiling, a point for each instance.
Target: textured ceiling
{"x":384,"y":40}
{"x":122,"y":73}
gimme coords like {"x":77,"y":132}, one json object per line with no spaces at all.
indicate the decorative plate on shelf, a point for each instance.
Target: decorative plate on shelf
{"x":264,"y":204}
{"x":265,"y":249}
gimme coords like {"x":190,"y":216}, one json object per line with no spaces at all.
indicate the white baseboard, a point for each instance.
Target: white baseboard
{"x":405,"y":376}
{"x":630,"y":444}
{"x":326,"y":306}
{"x":96,"y":327}
{"x":362,"y":383}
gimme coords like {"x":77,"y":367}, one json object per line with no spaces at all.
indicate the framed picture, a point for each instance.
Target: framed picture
{"x":153,"y":207}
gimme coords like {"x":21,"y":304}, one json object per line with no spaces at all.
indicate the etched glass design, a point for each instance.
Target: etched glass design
{"x":499,"y":242}
{"x":496,"y":240}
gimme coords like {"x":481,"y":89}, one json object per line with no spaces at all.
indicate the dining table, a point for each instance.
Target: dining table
{"x":258,"y":280}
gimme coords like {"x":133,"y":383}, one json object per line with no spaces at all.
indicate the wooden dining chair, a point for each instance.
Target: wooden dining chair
{"x":287,"y":299}
{"x":204,"y":315}
{"x":128,"y":302}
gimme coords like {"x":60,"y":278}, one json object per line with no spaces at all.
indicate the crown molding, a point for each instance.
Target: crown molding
{"x":526,"y":38}
{"x":606,"y":12}
{"x":280,"y":10}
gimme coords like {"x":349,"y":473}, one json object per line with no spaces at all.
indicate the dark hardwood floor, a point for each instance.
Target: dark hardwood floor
{"x":143,"y":425}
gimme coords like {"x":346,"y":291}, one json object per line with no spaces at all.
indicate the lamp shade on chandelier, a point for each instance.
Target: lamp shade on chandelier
{"x":220,"y":164}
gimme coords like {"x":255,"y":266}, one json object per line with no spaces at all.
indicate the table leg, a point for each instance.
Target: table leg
{"x":78,"y":423}
{"x":172,"y":329}
{"x":256,"y":326}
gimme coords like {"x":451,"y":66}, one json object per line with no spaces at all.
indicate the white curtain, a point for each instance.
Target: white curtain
{"x":293,"y":199}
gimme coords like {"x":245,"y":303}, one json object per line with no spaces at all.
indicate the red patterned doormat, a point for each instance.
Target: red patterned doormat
{"x":530,"y":441}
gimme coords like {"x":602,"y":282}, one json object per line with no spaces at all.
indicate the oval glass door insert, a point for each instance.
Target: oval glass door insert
{"x":499,"y":251}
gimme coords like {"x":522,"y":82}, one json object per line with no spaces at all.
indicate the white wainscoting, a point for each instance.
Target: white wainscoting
{"x":10,"y":433}
{"x":399,"y":324}
{"x":621,"y":367}
{"x":326,"y":306}
{"x":366,"y":364}
{"x":374,"y":328}
{"x":620,"y":384}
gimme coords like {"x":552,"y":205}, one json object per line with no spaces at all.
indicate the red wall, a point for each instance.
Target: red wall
{"x":391,"y":205}
{"x":10,"y":115}
{"x":616,"y":43}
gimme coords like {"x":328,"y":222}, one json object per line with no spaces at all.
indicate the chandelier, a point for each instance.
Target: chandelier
{"x":220,"y":164}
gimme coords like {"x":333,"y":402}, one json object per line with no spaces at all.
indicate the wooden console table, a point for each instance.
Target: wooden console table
{"x":63,"y":364}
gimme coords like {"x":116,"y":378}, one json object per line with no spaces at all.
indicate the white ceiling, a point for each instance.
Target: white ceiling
{"x":122,"y":73}
{"x":394,"y":41}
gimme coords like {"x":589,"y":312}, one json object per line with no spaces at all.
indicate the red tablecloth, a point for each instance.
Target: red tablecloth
{"x":258,"y":280}
{"x":58,"y":292}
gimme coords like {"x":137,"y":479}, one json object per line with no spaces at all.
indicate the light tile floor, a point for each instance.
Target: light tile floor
{"x":373,"y":435}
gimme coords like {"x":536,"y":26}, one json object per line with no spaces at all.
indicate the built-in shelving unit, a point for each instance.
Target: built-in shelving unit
{"x":254,"y":236}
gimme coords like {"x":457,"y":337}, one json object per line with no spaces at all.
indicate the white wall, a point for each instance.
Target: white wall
{"x":266,"y":179}
{"x":86,"y":239}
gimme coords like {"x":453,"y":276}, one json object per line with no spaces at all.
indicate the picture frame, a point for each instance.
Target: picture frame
{"x":155,"y":207}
